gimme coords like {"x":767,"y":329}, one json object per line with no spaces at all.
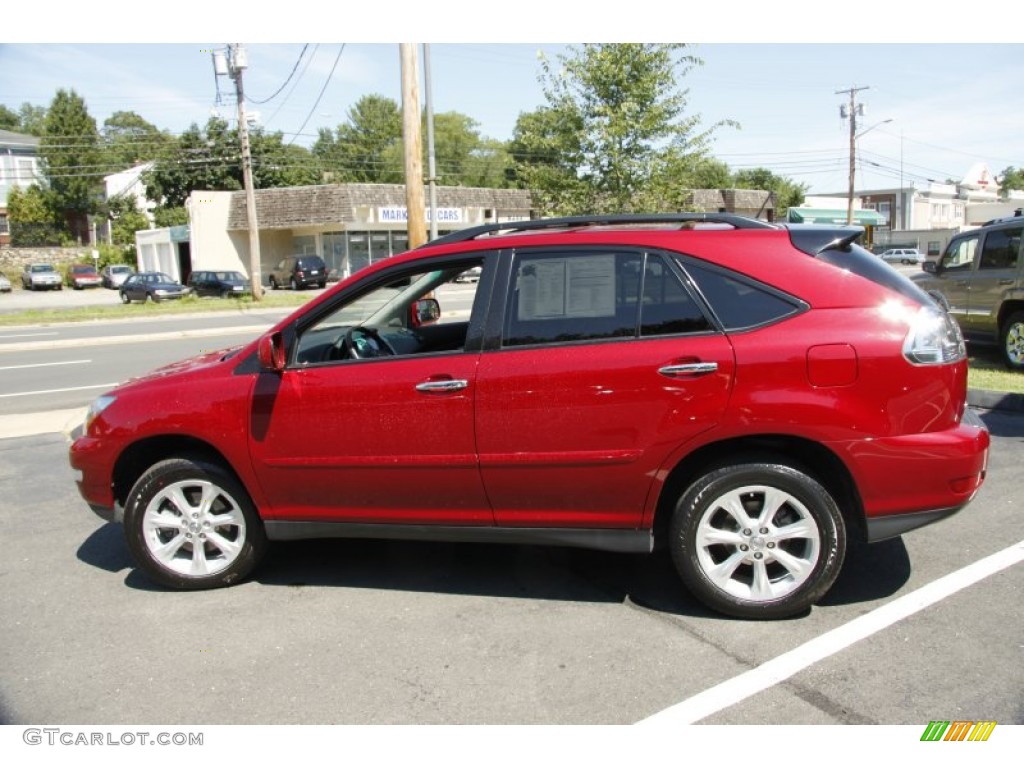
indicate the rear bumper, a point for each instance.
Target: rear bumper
{"x":910,"y":481}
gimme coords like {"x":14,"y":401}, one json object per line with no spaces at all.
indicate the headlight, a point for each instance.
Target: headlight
{"x":934,"y":339}
{"x":161,"y":292}
{"x":96,"y":407}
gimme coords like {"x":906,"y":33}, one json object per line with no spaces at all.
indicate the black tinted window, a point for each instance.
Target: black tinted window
{"x":740,"y":303}
{"x":667,"y":307}
{"x":1001,"y":248}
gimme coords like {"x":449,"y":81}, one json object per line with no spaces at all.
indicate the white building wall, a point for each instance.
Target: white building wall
{"x":213,"y":247}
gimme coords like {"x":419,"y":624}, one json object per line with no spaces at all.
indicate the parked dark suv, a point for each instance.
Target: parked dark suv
{"x":980,"y":276}
{"x":299,"y":272}
{"x":745,"y":394}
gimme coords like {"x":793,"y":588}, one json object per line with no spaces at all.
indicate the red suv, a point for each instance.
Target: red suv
{"x":746,"y":394}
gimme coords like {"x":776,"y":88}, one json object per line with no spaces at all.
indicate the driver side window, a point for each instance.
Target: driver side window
{"x":960,"y":255}
{"x":413,"y":312}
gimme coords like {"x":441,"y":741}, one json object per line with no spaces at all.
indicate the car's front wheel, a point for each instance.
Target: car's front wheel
{"x":191,"y":525}
{"x":1013,"y":341}
{"x":757,"y":540}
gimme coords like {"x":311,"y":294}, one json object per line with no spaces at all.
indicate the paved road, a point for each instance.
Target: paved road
{"x":366,"y":632}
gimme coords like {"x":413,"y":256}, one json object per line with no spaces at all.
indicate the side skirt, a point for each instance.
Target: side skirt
{"x":608,"y":540}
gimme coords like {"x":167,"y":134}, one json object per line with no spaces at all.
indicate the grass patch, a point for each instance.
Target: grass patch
{"x":988,"y":371}
{"x":188,"y":305}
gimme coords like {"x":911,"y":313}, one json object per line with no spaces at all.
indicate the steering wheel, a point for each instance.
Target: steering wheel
{"x":361,"y":342}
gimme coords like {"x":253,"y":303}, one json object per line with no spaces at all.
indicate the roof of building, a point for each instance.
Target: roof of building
{"x":288,"y":207}
{"x":12,"y":139}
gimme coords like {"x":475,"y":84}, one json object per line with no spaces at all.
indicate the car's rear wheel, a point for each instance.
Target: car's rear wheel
{"x":1013,"y":341}
{"x":125,"y":298}
{"x":191,"y":525}
{"x":273,"y":283}
{"x":757,"y":540}
{"x":293,"y":284}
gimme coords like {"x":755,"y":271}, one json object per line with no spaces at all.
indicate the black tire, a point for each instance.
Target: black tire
{"x":322,"y":284}
{"x":124,"y":298}
{"x":273,"y":283}
{"x":293,"y":284}
{"x":161,"y":535}
{"x":1011,"y":341}
{"x":734,"y":566}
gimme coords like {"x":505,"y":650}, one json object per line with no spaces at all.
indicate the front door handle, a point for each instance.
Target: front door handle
{"x":442,"y":385}
{"x":688,"y":369}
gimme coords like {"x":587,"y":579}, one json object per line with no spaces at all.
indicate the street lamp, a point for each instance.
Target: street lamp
{"x":853,"y":157}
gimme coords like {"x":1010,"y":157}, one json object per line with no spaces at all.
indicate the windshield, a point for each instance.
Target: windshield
{"x":42,"y":268}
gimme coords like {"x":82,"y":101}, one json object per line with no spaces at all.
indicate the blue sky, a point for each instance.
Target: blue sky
{"x":951,"y":104}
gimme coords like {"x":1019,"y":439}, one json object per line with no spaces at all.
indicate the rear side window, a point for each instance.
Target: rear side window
{"x":1001,"y":249}
{"x":740,"y":303}
{"x":584,"y":296}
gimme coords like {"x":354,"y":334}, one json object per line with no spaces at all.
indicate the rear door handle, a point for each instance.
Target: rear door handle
{"x":442,"y":385}
{"x":688,"y":369}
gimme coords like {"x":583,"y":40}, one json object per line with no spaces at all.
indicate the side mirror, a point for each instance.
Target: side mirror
{"x":270,"y":350}
{"x":425,"y":311}
{"x":930,"y":266}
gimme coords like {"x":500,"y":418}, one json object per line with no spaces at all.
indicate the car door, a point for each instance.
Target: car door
{"x":955,"y":274}
{"x":998,"y":272}
{"x":375,"y":440}
{"x":606,"y":364}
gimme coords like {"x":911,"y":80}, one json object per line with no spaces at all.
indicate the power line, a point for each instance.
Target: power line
{"x":285,"y":83}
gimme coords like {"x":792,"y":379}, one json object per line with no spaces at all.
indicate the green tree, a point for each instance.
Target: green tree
{"x":210,"y":158}
{"x":126,"y":219}
{"x":32,"y":119}
{"x":617,"y":111}
{"x":9,"y":120}
{"x":33,"y":217}
{"x":788,"y":193}
{"x":358,"y":151}
{"x":164,"y":216}
{"x":546,"y":154}
{"x":1011,"y":178}
{"x":128,"y":139}
{"x":71,"y":159}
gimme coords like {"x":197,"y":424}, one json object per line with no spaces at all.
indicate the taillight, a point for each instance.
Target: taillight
{"x":934,"y":338}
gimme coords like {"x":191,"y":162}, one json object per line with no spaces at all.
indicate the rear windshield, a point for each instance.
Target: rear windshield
{"x":862,"y":262}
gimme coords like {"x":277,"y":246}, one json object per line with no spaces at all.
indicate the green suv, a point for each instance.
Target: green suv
{"x":980,"y":278}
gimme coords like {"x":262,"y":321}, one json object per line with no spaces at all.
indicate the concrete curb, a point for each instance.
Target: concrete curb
{"x":995,"y":401}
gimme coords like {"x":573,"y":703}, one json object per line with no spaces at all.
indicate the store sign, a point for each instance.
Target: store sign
{"x":396,"y":214}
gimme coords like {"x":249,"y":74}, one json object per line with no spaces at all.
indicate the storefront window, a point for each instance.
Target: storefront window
{"x":358,"y":251}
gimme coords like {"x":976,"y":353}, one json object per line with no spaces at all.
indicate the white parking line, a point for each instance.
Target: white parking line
{"x":733,"y":691}
{"x":43,"y":365}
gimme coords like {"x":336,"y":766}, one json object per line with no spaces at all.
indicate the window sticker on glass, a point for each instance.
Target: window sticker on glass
{"x":582,"y":286}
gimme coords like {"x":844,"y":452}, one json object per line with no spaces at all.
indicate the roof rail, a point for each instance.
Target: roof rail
{"x":570,"y":222}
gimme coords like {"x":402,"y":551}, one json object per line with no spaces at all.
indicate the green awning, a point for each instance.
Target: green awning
{"x":834,"y":216}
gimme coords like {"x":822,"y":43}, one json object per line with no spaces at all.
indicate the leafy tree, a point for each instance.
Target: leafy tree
{"x":164,"y":216}
{"x":210,"y":158}
{"x":546,"y":154}
{"x":71,"y":158}
{"x":128,"y":139}
{"x":32,"y":119}
{"x":9,"y":120}
{"x":126,"y":219}
{"x":1011,"y":178}
{"x":33,"y":217}
{"x":788,"y":193}
{"x":358,"y":151}
{"x":614,"y":110}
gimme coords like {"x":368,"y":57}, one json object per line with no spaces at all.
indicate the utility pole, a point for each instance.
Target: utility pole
{"x":237,"y":63}
{"x":413,"y":145}
{"x":431,"y":174}
{"x":853,"y":110}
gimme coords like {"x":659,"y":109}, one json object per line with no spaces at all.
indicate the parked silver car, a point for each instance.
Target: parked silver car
{"x":5,"y":284}
{"x":39,"y":276}
{"x":113,"y":275}
{"x":903,"y":256}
